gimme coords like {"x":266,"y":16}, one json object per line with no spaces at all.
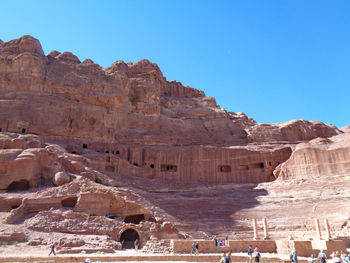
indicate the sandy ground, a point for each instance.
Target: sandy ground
{"x":24,"y":251}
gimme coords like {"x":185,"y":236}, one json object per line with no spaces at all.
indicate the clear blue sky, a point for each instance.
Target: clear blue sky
{"x":273,"y":60}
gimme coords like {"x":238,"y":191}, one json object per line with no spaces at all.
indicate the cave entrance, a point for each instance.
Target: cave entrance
{"x":134,"y":219}
{"x":20,"y":185}
{"x":69,"y":201}
{"x":128,"y":237}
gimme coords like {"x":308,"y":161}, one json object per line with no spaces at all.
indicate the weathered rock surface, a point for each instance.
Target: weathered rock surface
{"x":57,"y":95}
{"x":96,"y":158}
{"x":317,"y":158}
{"x":61,"y":178}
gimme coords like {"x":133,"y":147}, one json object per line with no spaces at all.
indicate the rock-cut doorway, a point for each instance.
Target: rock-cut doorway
{"x":128,"y":237}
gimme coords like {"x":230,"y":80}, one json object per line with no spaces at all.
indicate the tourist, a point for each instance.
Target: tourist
{"x":346,"y":258}
{"x":223,"y":258}
{"x":322,"y":256}
{"x":197,"y":248}
{"x":193,"y":249}
{"x":256,"y":254}
{"x":228,"y":257}
{"x":136,"y":243}
{"x":250,"y":253}
{"x":294,"y":257}
{"x":216,"y":241}
{"x":87,"y":260}
{"x":343,"y":257}
{"x":52,"y":249}
{"x":226,"y":241}
{"x":336,"y":257}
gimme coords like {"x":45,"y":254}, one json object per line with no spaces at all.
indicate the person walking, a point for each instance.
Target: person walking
{"x":294,"y":257}
{"x":228,"y":257}
{"x":347,"y":258}
{"x":136,"y":244}
{"x":216,"y":241}
{"x":256,"y":254}
{"x":322,"y":256}
{"x":223,"y":258}
{"x":193,"y":249}
{"x":250,"y":254}
{"x":197,"y":248}
{"x":52,"y":249}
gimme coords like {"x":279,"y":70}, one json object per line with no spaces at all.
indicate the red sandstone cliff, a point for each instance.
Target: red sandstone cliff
{"x":106,"y":146}
{"x":58,"y":95}
{"x":317,"y":158}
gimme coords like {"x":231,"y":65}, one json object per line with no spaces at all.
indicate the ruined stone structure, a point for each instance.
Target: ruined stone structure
{"x":122,"y":153}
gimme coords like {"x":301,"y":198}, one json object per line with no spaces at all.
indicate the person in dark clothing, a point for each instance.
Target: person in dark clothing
{"x":197,"y":248}
{"x":322,"y":257}
{"x":250,"y":254}
{"x":53,"y":249}
{"x":294,"y":257}
{"x":256,"y":254}
{"x":216,"y":241}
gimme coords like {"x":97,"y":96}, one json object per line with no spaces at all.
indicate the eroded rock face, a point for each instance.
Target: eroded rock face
{"x":121,"y":153}
{"x":57,"y":95}
{"x":317,"y":158}
{"x":292,"y":131}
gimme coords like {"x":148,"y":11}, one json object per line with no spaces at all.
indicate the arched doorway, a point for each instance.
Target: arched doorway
{"x":128,"y":237}
{"x":20,"y":185}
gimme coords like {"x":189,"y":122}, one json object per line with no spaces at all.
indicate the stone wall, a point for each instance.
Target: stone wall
{"x":304,"y":248}
{"x":208,"y":246}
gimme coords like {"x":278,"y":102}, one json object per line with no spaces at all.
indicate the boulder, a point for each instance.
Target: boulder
{"x":61,"y":178}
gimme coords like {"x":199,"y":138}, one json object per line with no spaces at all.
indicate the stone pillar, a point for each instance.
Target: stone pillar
{"x":266,"y":233}
{"x":255,"y":229}
{"x":328,"y":232}
{"x":318,"y":231}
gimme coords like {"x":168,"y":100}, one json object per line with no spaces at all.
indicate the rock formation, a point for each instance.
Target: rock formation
{"x":57,"y":95}
{"x":317,"y":158}
{"x":121,"y":153}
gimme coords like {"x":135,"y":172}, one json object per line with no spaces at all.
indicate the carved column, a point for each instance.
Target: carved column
{"x":266,"y":233}
{"x":255,"y":229}
{"x":326,"y":226}
{"x":318,"y":231}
